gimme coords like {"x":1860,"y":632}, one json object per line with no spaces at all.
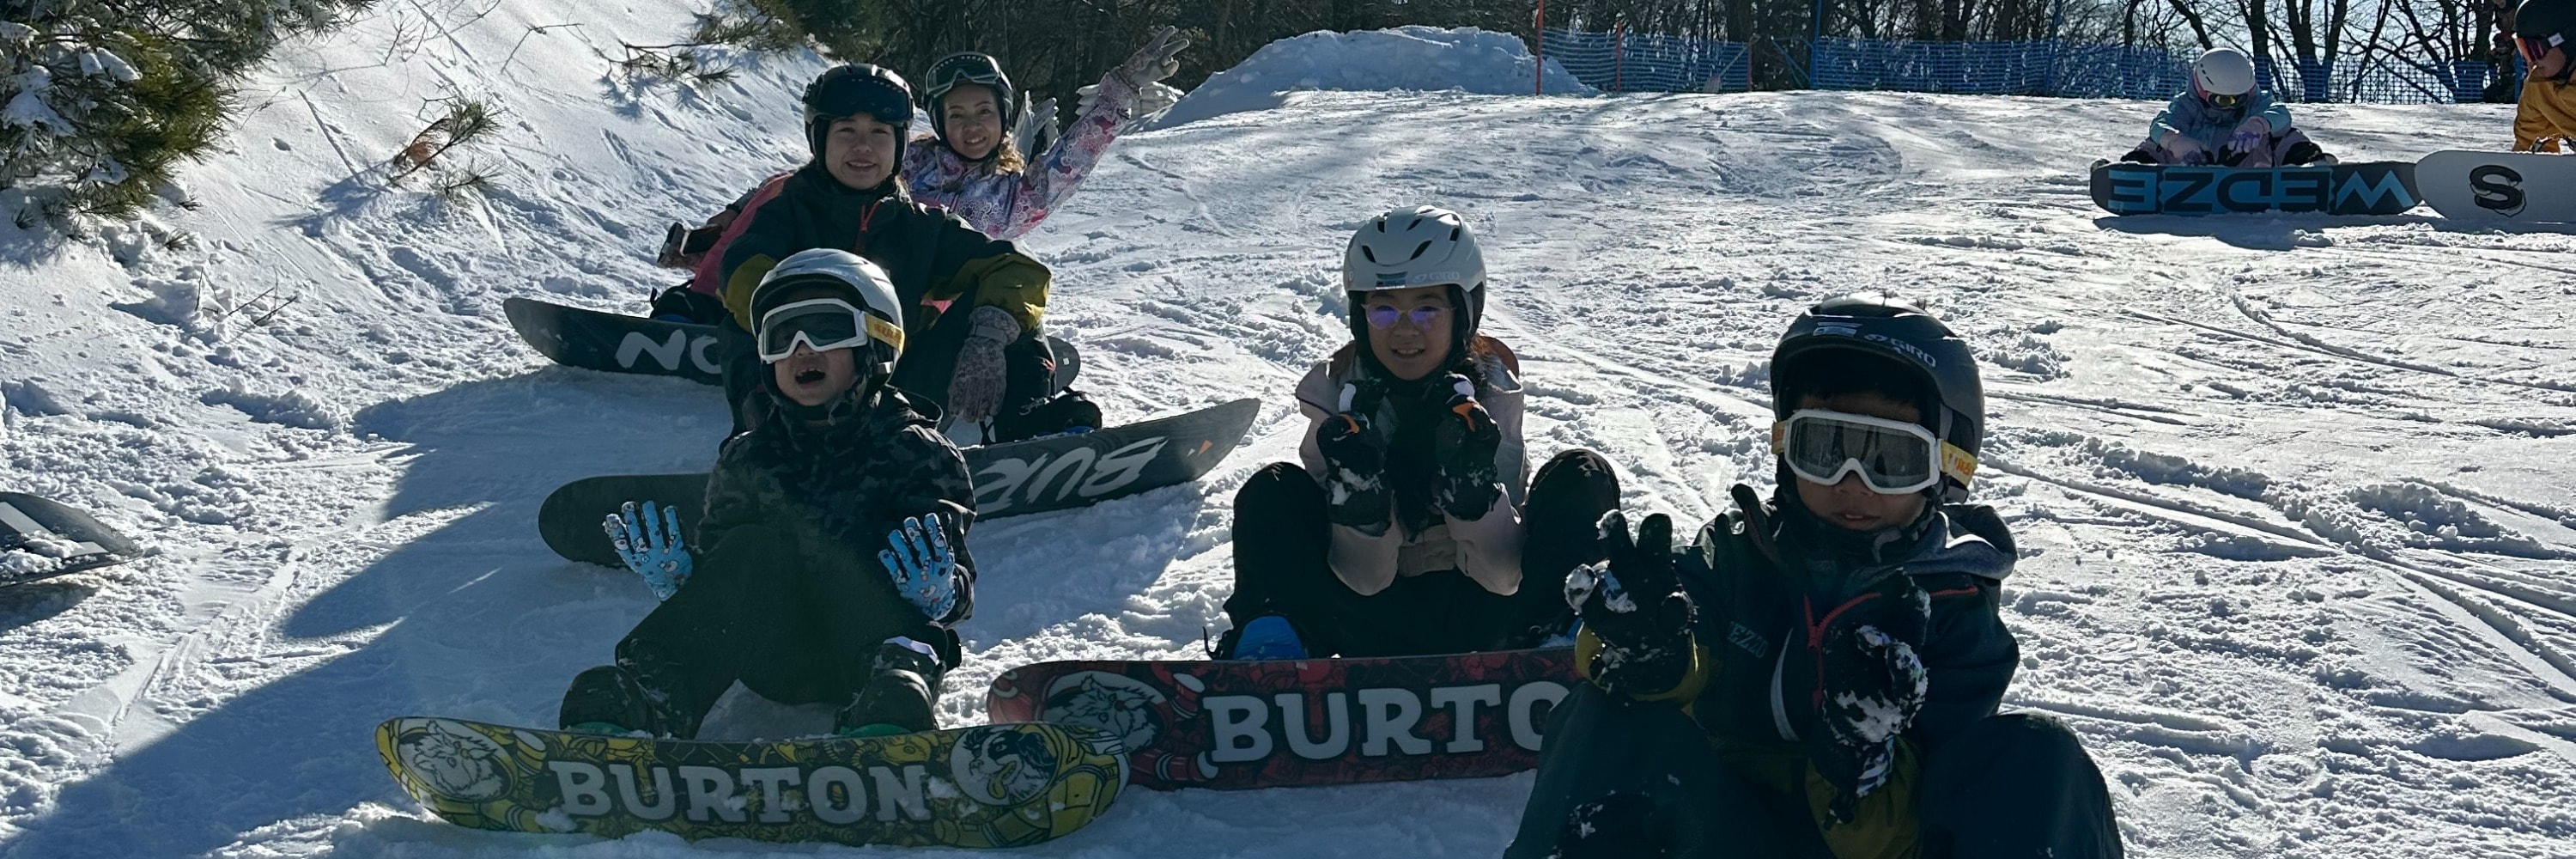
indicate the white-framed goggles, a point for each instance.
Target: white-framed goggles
{"x":1892,"y":457}
{"x":821,"y":324}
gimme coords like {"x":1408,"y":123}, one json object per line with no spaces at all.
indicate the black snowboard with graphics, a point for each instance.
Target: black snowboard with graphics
{"x":40,"y":539}
{"x":2362,"y":188}
{"x":1033,"y":476}
{"x":617,"y":343}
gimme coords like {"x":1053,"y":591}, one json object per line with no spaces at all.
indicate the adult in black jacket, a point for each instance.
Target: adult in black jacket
{"x":836,"y":533}
{"x":973,"y":306}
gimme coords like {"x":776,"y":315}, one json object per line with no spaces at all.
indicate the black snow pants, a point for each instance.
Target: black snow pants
{"x":2014,"y":785}
{"x":1281,"y":540}
{"x":760,"y":610}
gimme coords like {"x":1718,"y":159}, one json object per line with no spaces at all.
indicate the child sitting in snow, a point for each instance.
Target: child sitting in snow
{"x":2225,"y":119}
{"x":1819,"y":674}
{"x":1405,"y":531}
{"x":835,"y":534}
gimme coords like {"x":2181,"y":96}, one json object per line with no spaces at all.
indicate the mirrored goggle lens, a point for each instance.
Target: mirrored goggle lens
{"x":1422,"y":317}
{"x":1890,"y":459}
{"x":2226,"y":101}
{"x":820,"y":325}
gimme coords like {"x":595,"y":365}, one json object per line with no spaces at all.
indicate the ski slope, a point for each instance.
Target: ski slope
{"x":2299,"y":552}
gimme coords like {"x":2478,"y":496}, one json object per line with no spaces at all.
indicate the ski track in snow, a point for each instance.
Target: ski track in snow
{"x":2299,"y":558}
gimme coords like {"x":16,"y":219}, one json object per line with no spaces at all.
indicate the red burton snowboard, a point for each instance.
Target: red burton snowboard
{"x":1243,"y":725}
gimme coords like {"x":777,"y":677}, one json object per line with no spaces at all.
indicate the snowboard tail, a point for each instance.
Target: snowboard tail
{"x":1245,"y":725}
{"x":2361,"y":188}
{"x":617,"y":343}
{"x":2498,"y":186}
{"x":1033,"y":476}
{"x":41,"y":539}
{"x":987,"y":786}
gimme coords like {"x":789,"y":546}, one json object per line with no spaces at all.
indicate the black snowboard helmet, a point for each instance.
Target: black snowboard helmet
{"x":969,"y":67}
{"x":858,"y":89}
{"x":1943,"y":371}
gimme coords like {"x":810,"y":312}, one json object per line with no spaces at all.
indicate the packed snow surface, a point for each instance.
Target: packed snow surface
{"x":1466,"y":59}
{"x":2291,"y":492}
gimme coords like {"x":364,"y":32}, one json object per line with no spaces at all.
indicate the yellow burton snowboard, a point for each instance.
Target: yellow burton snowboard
{"x":986,"y":786}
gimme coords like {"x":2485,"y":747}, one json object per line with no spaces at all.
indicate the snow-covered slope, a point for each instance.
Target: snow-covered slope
{"x":2291,"y":492}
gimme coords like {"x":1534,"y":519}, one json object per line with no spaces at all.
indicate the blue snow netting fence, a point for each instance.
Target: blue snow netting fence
{"x":1636,"y":62}
{"x":1646,"y":62}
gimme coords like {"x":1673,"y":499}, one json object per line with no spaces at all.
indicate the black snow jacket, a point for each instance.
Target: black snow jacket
{"x":1763,"y":577}
{"x":935,"y":260}
{"x":837,"y":483}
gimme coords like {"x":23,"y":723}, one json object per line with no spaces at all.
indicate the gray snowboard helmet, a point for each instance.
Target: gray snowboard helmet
{"x":1416,"y":246}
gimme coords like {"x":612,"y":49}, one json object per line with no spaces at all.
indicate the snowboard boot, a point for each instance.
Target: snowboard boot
{"x":1266,"y":637}
{"x":902,"y":687}
{"x":2139,"y":155}
{"x":688,"y":307}
{"x":2304,"y":152}
{"x":1066,"y":413}
{"x":608,"y":700}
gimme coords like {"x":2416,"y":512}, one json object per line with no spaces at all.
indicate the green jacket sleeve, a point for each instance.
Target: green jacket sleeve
{"x":1000,"y":273}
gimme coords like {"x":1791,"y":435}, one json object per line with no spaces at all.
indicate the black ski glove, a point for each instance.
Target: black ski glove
{"x":1635,"y":605}
{"x":1355,"y":491}
{"x":1869,"y":686}
{"x":1463,"y":444}
{"x":1617,"y":826}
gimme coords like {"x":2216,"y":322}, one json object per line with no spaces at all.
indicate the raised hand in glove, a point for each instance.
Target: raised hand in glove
{"x":1870,"y":684}
{"x":975,"y":392}
{"x":1153,"y":62}
{"x":1634,"y":604}
{"x":649,"y":543}
{"x":1463,"y":446}
{"x":1355,"y":490}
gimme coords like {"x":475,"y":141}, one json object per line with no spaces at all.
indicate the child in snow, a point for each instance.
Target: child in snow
{"x":1406,"y":531}
{"x":2546,"y":112}
{"x":973,"y":304}
{"x":1818,"y":675}
{"x":2225,"y":120}
{"x":972,"y":164}
{"x":834,"y":537}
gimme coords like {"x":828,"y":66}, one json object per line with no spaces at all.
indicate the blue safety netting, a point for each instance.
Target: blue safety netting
{"x":1647,"y":62}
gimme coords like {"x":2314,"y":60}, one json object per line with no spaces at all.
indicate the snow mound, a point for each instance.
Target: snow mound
{"x":1405,"y":58}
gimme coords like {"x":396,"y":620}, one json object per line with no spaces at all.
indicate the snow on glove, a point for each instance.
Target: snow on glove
{"x":922,"y":565}
{"x":1634,"y":604}
{"x":1153,"y":62}
{"x":975,"y":392}
{"x":1355,"y":491}
{"x":650,"y":545}
{"x":1463,"y":445}
{"x":1870,"y":684}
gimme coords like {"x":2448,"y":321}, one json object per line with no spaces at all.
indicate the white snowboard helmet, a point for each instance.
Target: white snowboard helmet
{"x":2223,"y":77}
{"x":1416,"y":246}
{"x":786,"y":295}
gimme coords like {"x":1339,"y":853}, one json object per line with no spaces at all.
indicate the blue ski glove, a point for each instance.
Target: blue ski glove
{"x":650,"y":545}
{"x":923,"y":567}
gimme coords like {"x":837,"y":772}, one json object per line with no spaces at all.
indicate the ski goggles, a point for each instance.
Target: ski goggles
{"x":1382,"y":317}
{"x":2533,"y":48}
{"x":1891,"y":457}
{"x":871,"y":97}
{"x":821,"y":324}
{"x":963,"y":69}
{"x":2223,"y":101}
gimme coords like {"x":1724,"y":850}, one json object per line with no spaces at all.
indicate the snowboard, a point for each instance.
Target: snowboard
{"x":1283,"y":723}
{"x":2495,"y":186}
{"x":1033,"y":476}
{"x":987,"y":786}
{"x":40,"y":539}
{"x":2362,"y":188}
{"x":617,"y":343}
